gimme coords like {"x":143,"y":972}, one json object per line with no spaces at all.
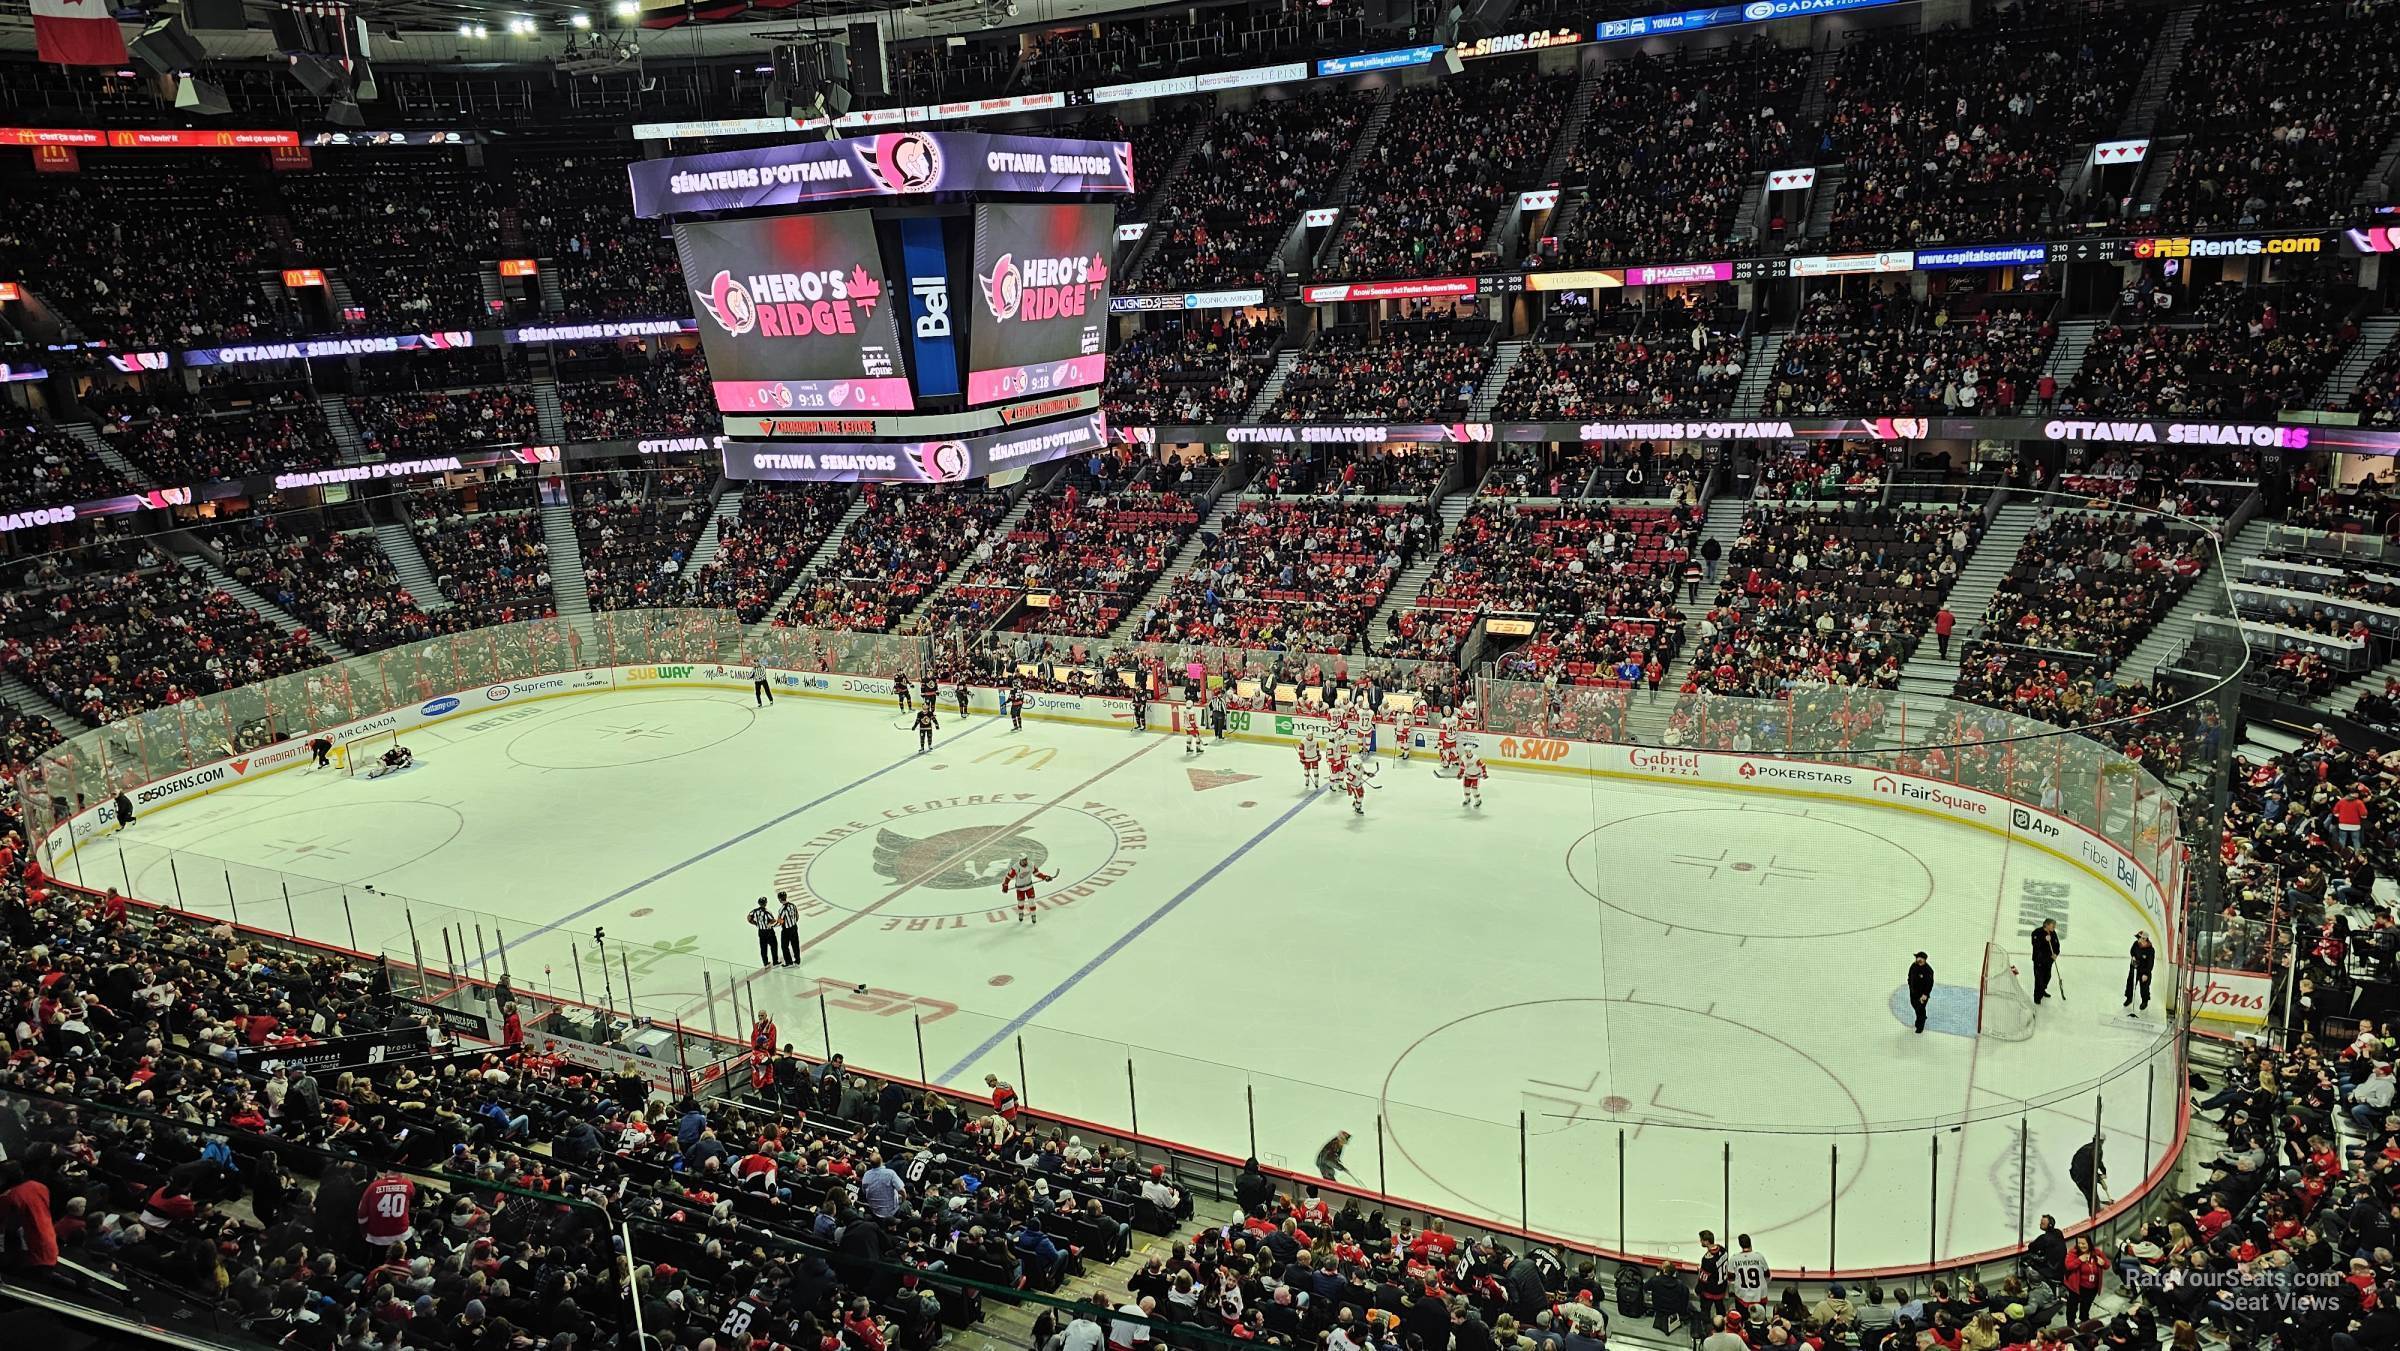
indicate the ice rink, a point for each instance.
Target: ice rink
{"x":1684,"y":993}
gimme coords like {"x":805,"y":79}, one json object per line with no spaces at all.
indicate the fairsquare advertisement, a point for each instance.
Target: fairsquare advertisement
{"x":1041,"y":309}
{"x":795,"y":313}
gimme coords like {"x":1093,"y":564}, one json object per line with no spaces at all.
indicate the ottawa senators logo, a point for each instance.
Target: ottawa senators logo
{"x":954,"y":860}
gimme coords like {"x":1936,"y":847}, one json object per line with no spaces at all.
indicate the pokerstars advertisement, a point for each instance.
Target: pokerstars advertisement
{"x":1041,"y":309}
{"x":795,"y":313}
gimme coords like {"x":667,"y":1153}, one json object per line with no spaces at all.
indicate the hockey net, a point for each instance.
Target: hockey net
{"x":2004,"y":1011}
{"x":359,"y":756}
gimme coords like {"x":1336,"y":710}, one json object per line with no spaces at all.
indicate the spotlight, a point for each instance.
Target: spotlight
{"x":482,"y":32}
{"x":466,"y":30}
{"x":580,"y":20}
{"x":626,"y":9}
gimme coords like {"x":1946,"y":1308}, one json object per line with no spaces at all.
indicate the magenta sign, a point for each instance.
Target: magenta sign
{"x":1678,"y":272}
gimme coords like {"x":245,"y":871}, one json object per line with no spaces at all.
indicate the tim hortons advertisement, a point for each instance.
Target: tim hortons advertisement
{"x":2242,"y":998}
{"x":1041,"y":317}
{"x":895,"y":164}
{"x":795,"y":313}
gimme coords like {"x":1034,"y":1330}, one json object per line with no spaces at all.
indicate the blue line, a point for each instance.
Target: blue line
{"x":715,"y":849}
{"x":1017,"y":1024}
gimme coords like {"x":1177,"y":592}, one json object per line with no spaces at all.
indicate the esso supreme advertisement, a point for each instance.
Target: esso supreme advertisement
{"x":795,"y":313}
{"x":1041,"y":308}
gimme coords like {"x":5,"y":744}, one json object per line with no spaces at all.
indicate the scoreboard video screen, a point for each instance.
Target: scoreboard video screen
{"x":1040,"y":317}
{"x":796,"y":313}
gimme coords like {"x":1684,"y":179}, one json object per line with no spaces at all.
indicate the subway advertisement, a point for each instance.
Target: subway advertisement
{"x":1041,"y":308}
{"x":795,"y":313}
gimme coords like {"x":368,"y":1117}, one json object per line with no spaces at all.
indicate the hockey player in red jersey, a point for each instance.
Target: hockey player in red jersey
{"x":1020,"y":879}
{"x":1337,"y":762}
{"x":1312,"y":755}
{"x":1354,"y":782}
{"x":1470,"y":777}
{"x":1446,"y":741}
{"x":1195,"y":717}
{"x":1417,"y":723}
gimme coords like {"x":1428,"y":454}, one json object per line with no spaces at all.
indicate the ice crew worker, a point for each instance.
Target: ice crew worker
{"x":763,"y":920}
{"x":2045,"y":956}
{"x":1920,"y":988}
{"x":2138,"y":964}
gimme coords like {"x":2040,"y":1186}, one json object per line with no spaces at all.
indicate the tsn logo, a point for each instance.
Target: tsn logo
{"x":933,"y":294}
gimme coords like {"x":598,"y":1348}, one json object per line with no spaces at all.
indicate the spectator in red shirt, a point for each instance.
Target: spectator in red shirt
{"x":25,"y":1220}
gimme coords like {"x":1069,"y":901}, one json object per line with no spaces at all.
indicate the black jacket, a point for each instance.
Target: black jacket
{"x":1920,"y":980}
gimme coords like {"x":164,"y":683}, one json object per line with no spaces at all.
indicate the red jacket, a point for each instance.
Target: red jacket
{"x":2084,"y":1273}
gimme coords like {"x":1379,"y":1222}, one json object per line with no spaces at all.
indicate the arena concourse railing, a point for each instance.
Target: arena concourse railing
{"x":681,"y":1014}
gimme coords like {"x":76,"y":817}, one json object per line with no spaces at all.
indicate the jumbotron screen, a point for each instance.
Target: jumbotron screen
{"x":1041,"y":315}
{"x":796,"y":313}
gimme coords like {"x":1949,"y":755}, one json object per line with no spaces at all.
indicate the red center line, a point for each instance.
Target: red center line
{"x":1149,"y":744}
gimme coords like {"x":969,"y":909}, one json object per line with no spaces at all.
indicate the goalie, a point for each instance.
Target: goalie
{"x":399,"y":757}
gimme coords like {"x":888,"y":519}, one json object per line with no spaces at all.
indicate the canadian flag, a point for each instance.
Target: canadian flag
{"x":78,"y":33}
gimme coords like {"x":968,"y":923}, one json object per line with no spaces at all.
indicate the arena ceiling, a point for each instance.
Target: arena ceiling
{"x":427,"y":31}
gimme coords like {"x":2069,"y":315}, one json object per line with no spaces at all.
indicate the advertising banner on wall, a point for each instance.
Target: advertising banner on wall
{"x":2240,"y":998}
{"x":1041,"y":278}
{"x":948,"y":461}
{"x":795,"y":313}
{"x":895,"y":164}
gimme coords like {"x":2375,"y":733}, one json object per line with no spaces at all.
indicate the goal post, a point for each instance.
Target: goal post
{"x":357,"y":756}
{"x":2003,"y":1010}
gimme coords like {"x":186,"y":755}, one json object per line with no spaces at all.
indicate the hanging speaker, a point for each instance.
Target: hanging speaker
{"x":199,"y":96}
{"x":214,"y":16}
{"x":1489,"y":15}
{"x":870,"y":68}
{"x":167,"y":47}
{"x":833,"y":58}
{"x":316,"y":74}
{"x":344,"y":113}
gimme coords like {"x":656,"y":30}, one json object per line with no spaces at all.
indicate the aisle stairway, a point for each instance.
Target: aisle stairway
{"x":2346,"y":697}
{"x":399,"y":544}
{"x":1758,"y":373}
{"x":704,"y":552}
{"x":1007,"y":525}
{"x":1182,"y":563}
{"x":1271,"y":388}
{"x":2206,"y":597}
{"x":343,"y":427}
{"x":819,"y":560}
{"x":1495,"y":378}
{"x":23,"y":697}
{"x":259,"y":605}
{"x":108,"y":455}
{"x":568,"y":589}
{"x":1646,"y":722}
{"x":2374,"y":339}
{"x":1987,"y":565}
{"x":1411,"y":581}
{"x":2158,"y":75}
{"x":547,"y":414}
{"x":2066,"y":351}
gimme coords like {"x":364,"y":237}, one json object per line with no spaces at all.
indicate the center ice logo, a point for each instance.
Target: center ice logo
{"x":954,"y":860}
